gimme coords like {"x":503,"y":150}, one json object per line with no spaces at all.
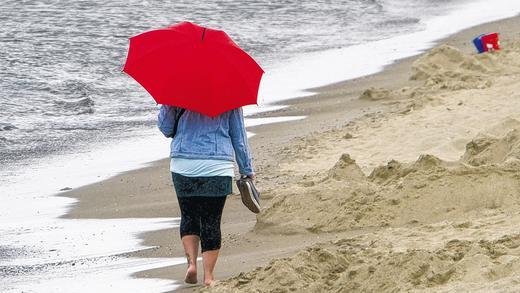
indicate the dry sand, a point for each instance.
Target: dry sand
{"x":407,"y":180}
{"x":462,"y":96}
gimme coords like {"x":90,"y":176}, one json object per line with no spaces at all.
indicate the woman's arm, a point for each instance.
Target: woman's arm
{"x":166,"y":120}
{"x":237,"y":131}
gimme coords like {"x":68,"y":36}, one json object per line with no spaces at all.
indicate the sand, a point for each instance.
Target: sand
{"x":461,"y":95}
{"x":407,"y":180}
{"x":343,"y":198}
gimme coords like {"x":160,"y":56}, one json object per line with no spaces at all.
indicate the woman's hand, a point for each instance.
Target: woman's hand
{"x":252,"y":176}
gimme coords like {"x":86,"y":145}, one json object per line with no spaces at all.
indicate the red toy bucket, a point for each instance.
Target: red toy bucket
{"x":490,"y":42}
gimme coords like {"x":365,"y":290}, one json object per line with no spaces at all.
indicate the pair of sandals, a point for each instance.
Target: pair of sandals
{"x":249,"y":194}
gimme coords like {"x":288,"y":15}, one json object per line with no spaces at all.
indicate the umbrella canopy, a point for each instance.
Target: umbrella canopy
{"x":195,"y":68}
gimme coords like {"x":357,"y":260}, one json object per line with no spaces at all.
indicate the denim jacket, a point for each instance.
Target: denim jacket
{"x":201,"y":137}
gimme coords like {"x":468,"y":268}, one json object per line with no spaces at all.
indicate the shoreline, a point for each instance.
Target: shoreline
{"x":333,"y":107}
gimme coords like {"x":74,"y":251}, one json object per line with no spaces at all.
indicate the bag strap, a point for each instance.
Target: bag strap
{"x":176,"y":124}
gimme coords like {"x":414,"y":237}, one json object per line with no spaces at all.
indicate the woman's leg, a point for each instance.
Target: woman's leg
{"x":210,"y":235}
{"x":190,"y":235}
{"x":209,"y":260}
{"x":191,"y":248}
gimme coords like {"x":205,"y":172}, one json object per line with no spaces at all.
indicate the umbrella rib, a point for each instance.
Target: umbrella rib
{"x":233,"y":66}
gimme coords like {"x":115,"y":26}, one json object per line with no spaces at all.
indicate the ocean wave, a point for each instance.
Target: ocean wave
{"x":3,"y":141}
{"x":73,"y":97}
{"x":73,"y":88}
{"x":76,"y":107}
{"x":76,"y":128}
{"x":398,"y":22}
{"x":7,"y":126}
{"x":377,"y":3}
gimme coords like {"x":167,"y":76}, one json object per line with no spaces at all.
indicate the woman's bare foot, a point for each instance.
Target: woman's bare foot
{"x":191,"y":275}
{"x":210,"y":283}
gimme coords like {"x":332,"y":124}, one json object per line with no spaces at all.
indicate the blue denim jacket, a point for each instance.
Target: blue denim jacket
{"x":201,"y":137}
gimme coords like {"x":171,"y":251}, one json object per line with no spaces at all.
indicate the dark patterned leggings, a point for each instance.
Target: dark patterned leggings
{"x":201,"y":215}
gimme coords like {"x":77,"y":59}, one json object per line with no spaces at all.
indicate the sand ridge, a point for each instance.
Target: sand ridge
{"x":462,"y":262}
{"x":427,"y":190}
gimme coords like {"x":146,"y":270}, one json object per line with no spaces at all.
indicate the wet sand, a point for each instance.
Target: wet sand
{"x":300,"y":173}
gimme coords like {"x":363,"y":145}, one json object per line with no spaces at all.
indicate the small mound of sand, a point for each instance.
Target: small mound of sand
{"x":346,"y":169}
{"x":342,"y":196}
{"x":446,"y":67}
{"x":442,"y":68}
{"x":356,"y":265}
{"x":395,"y":170}
{"x":376,"y":94}
{"x":491,"y":150}
{"x":390,"y":171}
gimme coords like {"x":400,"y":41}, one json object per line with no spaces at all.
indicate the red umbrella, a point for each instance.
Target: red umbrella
{"x":194,"y":67}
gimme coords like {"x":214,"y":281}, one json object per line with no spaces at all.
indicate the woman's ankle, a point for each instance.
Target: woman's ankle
{"x":192,"y":267}
{"x":192,"y":262}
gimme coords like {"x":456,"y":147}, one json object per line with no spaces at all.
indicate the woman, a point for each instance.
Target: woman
{"x":202,"y":171}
